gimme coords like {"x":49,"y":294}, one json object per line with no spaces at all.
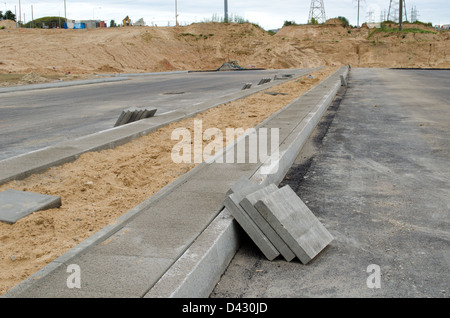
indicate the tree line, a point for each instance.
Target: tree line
{"x":7,"y":16}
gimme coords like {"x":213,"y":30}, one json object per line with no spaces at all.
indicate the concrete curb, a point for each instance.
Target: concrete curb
{"x":22,"y":166}
{"x":59,"y":84}
{"x":196,"y":273}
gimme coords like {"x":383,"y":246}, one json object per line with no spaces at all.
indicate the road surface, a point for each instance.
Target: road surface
{"x":35,"y":119}
{"x":376,"y":173}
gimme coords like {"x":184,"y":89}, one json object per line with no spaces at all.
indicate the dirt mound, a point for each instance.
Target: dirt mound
{"x":108,"y":69}
{"x":334,"y":22}
{"x":8,"y":24}
{"x":33,"y":78}
{"x":207,"y":46}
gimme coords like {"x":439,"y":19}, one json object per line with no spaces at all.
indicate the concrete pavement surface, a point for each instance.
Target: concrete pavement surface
{"x":376,"y":173}
{"x":31,"y":120}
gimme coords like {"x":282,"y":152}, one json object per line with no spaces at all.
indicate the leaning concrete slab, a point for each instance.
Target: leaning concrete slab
{"x":239,"y":190}
{"x":295,"y":223}
{"x":133,"y":114}
{"x":248,"y":202}
{"x":15,"y":205}
{"x":244,"y":189}
{"x":253,"y":231}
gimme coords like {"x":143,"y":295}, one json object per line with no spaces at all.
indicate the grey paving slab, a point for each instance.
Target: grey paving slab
{"x":247,"y":203}
{"x":15,"y":205}
{"x":237,"y":192}
{"x":244,"y":195}
{"x":295,"y":223}
{"x":101,"y":275}
{"x":253,"y":231}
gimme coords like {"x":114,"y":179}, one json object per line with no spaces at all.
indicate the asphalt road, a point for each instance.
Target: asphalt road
{"x":32,"y":120}
{"x":376,"y":173}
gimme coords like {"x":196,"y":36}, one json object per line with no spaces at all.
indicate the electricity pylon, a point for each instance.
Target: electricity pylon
{"x":317,"y":12}
{"x":393,"y":12}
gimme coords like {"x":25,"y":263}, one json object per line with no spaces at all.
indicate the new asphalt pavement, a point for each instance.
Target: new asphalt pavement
{"x":376,"y":173}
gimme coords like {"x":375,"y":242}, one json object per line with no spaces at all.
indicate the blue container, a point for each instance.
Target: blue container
{"x":79,"y":26}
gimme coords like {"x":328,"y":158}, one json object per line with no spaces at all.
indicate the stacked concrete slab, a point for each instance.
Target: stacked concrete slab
{"x":277,"y":221}
{"x":133,"y":114}
{"x":264,"y":81}
{"x":247,"y":86}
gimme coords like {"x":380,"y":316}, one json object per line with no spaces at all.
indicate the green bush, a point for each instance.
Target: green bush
{"x":47,"y":21}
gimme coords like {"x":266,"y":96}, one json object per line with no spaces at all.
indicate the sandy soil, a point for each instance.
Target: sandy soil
{"x":101,"y":186}
{"x":206,"y":46}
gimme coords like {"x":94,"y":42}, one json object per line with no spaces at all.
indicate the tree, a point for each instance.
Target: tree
{"x":313,"y":21}
{"x":9,"y":16}
{"x":112,"y":24}
{"x":288,"y":23}
{"x":344,"y":21}
{"x":1,"y":15}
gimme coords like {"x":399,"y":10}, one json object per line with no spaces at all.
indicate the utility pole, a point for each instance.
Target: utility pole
{"x":32,"y":16}
{"x":65,"y":10}
{"x":400,"y":16}
{"x":357,"y":24}
{"x":226,"y":11}
{"x":20,"y":14}
{"x":176,"y":12}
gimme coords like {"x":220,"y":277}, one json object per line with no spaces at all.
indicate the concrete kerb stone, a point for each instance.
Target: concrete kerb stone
{"x":193,"y":275}
{"x":22,"y":166}
{"x":32,"y":87}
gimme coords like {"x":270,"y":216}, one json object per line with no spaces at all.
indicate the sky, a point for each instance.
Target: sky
{"x":268,"y":14}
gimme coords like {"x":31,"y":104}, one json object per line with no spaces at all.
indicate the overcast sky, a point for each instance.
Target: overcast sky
{"x":268,"y":14}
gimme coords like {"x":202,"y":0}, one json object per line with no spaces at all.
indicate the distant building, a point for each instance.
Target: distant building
{"x":373,"y":25}
{"x":84,"y":24}
{"x":140,"y":22}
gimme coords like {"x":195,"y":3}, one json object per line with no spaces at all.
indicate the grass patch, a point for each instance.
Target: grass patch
{"x":395,"y":31}
{"x":15,"y":79}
